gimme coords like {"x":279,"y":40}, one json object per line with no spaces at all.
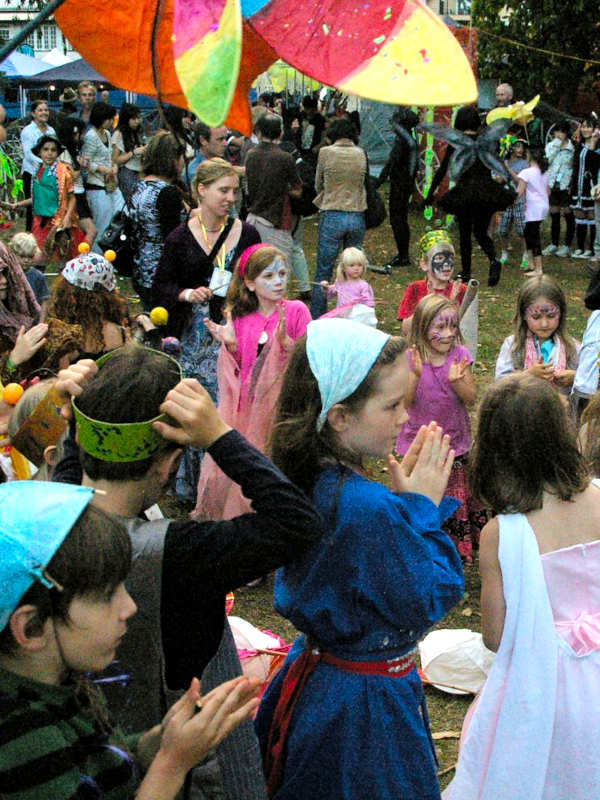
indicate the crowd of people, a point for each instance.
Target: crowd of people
{"x":262,"y":410}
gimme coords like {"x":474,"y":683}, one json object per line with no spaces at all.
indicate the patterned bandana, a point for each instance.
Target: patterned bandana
{"x":431,"y":238}
{"x":90,"y":271}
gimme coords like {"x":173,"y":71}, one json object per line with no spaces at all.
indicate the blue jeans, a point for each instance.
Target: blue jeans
{"x":337,"y":229}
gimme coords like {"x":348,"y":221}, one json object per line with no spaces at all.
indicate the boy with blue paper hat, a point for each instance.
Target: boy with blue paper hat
{"x":64,"y":609}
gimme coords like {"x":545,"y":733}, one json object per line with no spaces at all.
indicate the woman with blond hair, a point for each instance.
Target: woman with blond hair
{"x":194,"y":273}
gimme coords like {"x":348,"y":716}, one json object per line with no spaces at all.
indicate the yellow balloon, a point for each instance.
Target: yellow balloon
{"x":159,"y":316}
{"x":83,"y":247}
{"x":110,"y":255}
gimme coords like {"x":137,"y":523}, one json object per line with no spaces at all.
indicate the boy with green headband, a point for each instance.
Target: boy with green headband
{"x":182,"y":570}
{"x":436,"y":259}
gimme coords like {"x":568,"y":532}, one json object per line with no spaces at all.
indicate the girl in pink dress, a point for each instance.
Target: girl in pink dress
{"x":533,"y":729}
{"x":256,"y":339}
{"x":442,"y":388}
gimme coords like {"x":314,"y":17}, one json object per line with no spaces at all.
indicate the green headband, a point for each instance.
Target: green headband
{"x":431,"y":238}
{"x":119,"y":441}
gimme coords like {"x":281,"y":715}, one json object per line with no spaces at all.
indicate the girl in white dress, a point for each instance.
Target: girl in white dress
{"x":531,"y":732}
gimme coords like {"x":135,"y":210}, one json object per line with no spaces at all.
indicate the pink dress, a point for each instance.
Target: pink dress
{"x":249,"y":385}
{"x":534,"y":729}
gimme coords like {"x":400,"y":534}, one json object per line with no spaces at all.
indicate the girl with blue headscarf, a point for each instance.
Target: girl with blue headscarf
{"x":345,"y":718}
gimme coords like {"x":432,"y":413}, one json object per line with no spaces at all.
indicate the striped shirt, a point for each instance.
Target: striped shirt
{"x":51,"y":746}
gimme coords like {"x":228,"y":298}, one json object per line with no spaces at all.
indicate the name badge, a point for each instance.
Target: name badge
{"x":219,"y":281}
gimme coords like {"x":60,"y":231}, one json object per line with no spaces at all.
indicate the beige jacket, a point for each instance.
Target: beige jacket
{"x":340,"y":178}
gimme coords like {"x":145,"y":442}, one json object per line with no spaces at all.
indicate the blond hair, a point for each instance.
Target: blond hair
{"x":213,"y":169}
{"x":24,"y":245}
{"x":351,"y":255}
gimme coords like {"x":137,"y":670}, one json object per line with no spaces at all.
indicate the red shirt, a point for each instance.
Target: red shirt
{"x":417,"y":290}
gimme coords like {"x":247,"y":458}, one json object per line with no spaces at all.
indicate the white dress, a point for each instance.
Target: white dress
{"x":535,"y":731}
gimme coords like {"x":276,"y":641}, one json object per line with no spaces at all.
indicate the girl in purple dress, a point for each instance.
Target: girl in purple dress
{"x":441,"y":388}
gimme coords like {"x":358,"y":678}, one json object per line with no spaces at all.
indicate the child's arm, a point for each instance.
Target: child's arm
{"x":462,"y":382}
{"x":521,"y":187}
{"x":493,"y":605}
{"x":564,"y":377}
{"x":223,"y":333}
{"x":66,"y":220}
{"x":414,"y":376}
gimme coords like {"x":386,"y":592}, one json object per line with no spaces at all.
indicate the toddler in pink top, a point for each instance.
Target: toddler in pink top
{"x":350,"y":286}
{"x":441,"y":387}
{"x":257,"y":337}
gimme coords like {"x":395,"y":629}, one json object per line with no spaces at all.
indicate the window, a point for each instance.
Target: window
{"x":45,"y":37}
{"x":463,"y":7}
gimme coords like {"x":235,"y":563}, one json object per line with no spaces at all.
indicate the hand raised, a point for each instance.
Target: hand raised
{"x":458,"y":369}
{"x":416,"y":362}
{"x":426,"y":469}
{"x":28,"y":343}
{"x":191,"y":406}
{"x":281,"y":331}
{"x":224,"y":333}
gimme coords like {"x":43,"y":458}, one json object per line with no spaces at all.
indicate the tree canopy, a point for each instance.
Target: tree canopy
{"x":553,"y":25}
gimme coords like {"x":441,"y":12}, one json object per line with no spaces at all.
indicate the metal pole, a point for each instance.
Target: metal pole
{"x":8,"y":48}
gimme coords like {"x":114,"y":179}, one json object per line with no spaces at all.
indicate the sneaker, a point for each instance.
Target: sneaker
{"x":550,"y":250}
{"x":580,"y":254}
{"x":563,"y":251}
{"x":588,"y":254}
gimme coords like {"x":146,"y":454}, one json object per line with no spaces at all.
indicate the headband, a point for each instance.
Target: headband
{"x":340,"y":354}
{"x":246,"y":255}
{"x":121,"y":442}
{"x":431,"y":238}
{"x":42,"y":428}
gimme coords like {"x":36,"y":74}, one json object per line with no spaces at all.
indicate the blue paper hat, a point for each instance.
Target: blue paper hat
{"x":35,"y":518}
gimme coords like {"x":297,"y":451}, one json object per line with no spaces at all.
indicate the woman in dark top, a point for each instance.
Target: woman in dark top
{"x":192,"y":279}
{"x":156,"y":208}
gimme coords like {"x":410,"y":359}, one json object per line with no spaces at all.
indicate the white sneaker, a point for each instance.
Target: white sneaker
{"x":579,"y":254}
{"x":563,"y":251}
{"x":550,"y":250}
{"x":588,"y":254}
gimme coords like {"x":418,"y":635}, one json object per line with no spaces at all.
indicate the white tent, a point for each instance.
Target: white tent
{"x":55,"y":58}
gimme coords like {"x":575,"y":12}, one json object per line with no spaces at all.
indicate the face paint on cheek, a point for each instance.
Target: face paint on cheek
{"x":442,"y":262}
{"x":440,"y":327}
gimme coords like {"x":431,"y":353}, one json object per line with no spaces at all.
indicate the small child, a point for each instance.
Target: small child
{"x":540,"y":343}
{"x":350,"y":286}
{"x":441,"y":388}
{"x":514,"y":216}
{"x":540,"y":590}
{"x":64,"y":610}
{"x":256,"y":340}
{"x":25,"y":248}
{"x":436,"y":259}
{"x":559,"y":153}
{"x":533,"y":183}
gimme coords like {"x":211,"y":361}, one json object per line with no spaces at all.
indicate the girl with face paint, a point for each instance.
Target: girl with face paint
{"x":441,"y":388}
{"x":540,"y":343}
{"x":256,"y":339}
{"x":436,"y":259}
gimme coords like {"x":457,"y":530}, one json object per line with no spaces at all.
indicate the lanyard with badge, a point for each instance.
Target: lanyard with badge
{"x":221,"y":277}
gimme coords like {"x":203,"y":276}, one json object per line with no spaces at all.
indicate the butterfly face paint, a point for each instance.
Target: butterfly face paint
{"x":441,"y":334}
{"x":543,"y":318}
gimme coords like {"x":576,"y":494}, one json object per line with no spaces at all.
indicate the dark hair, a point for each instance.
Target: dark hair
{"x":161,"y":155}
{"x":308,"y":101}
{"x":100,"y":113}
{"x":540,"y":286}
{"x":467,"y":119}
{"x":131,"y":138}
{"x":269,"y":125}
{"x":66,"y":133}
{"x":539,"y":156}
{"x":591,"y":120}
{"x":341,"y":128}
{"x":240,"y":300}
{"x":524,"y":446}
{"x":130,"y":387}
{"x":37,"y":103}
{"x":201,"y":131}
{"x":563,"y":126}
{"x":94,"y":558}
{"x":296,"y":446}
{"x":591,"y":446}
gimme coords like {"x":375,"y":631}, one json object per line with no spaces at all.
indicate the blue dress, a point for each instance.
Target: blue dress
{"x":368,"y":591}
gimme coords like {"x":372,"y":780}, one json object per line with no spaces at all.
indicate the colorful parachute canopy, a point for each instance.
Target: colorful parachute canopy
{"x":208,"y":52}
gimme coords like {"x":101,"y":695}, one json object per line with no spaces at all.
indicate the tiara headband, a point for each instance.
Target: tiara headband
{"x":431,"y":238}
{"x":121,"y":442}
{"x":246,"y":255}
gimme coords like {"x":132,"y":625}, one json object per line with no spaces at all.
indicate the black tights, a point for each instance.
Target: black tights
{"x":582,"y":229}
{"x":474,"y":221}
{"x":399,"y":221}
{"x":555,"y":228}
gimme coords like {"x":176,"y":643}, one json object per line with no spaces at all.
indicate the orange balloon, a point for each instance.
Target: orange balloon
{"x":11,"y":393}
{"x":110,"y":255}
{"x":83,"y":247}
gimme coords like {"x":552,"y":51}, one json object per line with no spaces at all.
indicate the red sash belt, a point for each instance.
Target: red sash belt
{"x":293,"y":686}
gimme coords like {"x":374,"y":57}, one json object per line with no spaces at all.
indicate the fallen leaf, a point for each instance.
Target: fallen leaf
{"x":446,"y":735}
{"x":467,"y":612}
